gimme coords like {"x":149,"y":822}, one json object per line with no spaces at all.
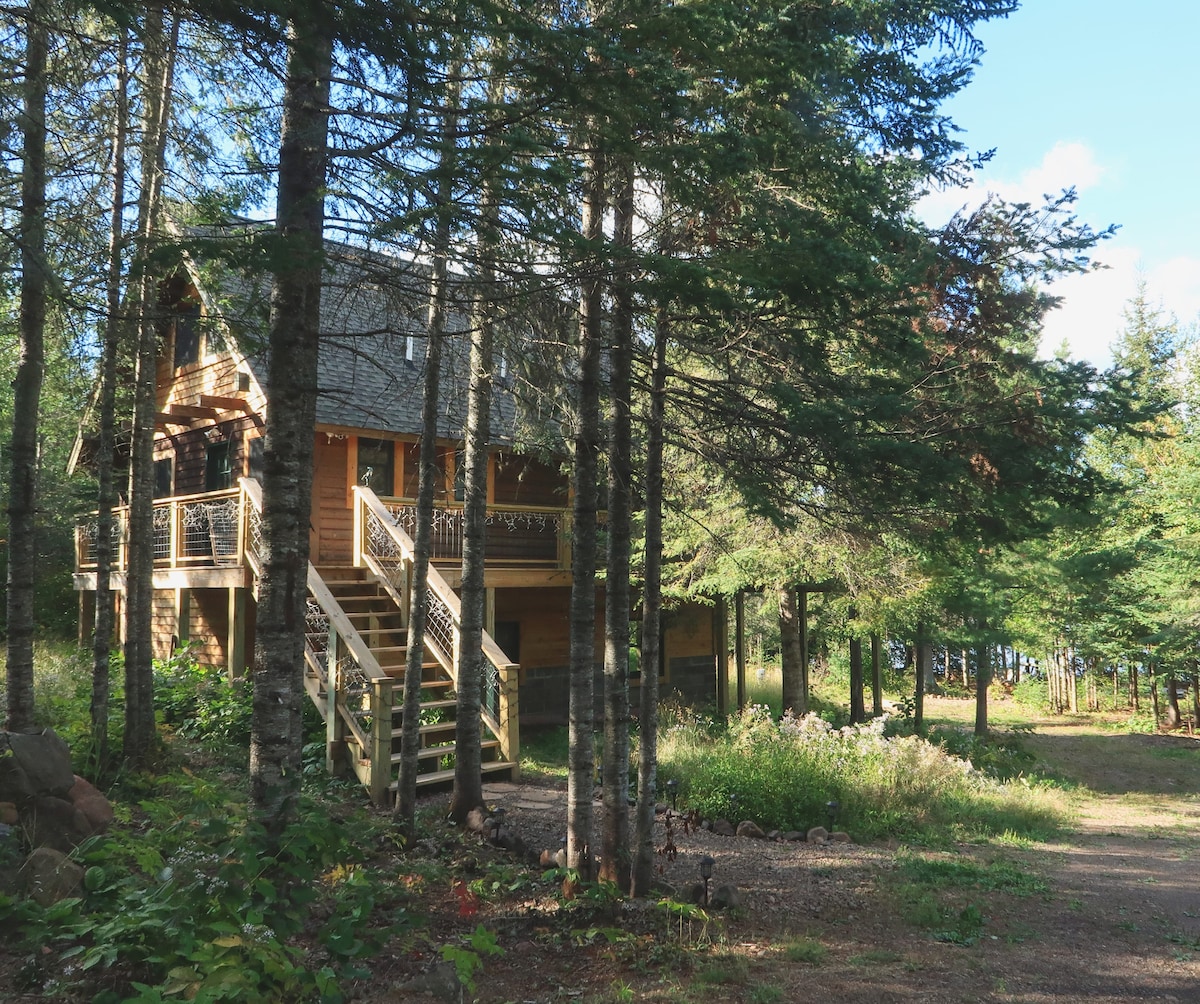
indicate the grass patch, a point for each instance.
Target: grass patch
{"x":806,"y":951}
{"x":963,"y":873}
{"x":724,"y":969}
{"x":544,"y":751}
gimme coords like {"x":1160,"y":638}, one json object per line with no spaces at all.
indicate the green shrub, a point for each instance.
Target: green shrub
{"x":783,"y":774}
{"x":201,"y":702}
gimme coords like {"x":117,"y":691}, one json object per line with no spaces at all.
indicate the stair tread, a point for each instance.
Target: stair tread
{"x":442,"y":776}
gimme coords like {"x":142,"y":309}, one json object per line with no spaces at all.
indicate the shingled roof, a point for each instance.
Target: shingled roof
{"x":373,"y":343}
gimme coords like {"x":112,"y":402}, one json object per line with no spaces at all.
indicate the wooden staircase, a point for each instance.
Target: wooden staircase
{"x":375,"y":618}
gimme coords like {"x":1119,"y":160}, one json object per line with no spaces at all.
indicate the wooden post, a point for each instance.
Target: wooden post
{"x":333,"y":721}
{"x":381,"y":740}
{"x":236,"y":640}
{"x":510,"y":718}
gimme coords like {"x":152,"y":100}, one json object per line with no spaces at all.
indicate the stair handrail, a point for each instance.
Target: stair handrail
{"x":345,"y":639}
{"x":383,"y":546}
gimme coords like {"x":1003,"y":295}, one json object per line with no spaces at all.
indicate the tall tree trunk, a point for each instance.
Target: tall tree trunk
{"x":102,"y":635}
{"x":1071,"y":683}
{"x":614,"y":838}
{"x":876,"y":675}
{"x":1173,"y":719}
{"x":427,"y":477}
{"x":923,"y":664}
{"x":1152,"y":686}
{"x":641,"y":878}
{"x":790,"y":654}
{"x":159,"y":69}
{"x":983,"y":677}
{"x":27,"y":387}
{"x":295,"y":319}
{"x":1135,"y":698}
{"x":468,"y":770}
{"x":583,"y":523}
{"x":858,"y":709}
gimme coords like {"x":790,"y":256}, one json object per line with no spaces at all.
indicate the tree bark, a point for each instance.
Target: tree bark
{"x":876,"y":675}
{"x":27,"y":386}
{"x":295,"y":319}
{"x":468,"y":770}
{"x":922,"y":663}
{"x":983,"y":677}
{"x":858,"y":709}
{"x":790,"y":654}
{"x":418,"y":615}
{"x":102,"y":636}
{"x":614,"y":838}
{"x":583,"y":523}
{"x":642,"y":876}
{"x":159,"y":69}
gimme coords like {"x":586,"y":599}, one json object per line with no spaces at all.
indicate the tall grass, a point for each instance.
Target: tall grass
{"x":783,"y":773}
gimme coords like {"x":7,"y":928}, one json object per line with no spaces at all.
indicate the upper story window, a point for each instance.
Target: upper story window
{"x":218,"y":467}
{"x":377,"y":465}
{"x":185,"y":319}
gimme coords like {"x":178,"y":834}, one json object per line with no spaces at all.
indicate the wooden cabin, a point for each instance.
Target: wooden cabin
{"x":212,"y":397}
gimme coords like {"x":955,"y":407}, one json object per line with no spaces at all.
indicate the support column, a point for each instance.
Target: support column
{"x":235,"y":645}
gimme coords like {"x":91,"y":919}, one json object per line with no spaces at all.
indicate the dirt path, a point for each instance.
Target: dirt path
{"x":1113,"y":915}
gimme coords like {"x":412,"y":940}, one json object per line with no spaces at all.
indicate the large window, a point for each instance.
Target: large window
{"x":164,"y":477}
{"x":377,"y":465}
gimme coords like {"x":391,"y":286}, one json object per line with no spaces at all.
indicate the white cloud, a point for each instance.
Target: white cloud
{"x":1092,"y":311}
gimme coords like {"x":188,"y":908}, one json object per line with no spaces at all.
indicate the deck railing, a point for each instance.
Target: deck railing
{"x":514,"y":534}
{"x":382,"y":544}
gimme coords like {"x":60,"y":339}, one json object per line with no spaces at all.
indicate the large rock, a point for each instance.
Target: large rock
{"x":34,"y":764}
{"x":749,"y":828}
{"x":49,"y":876}
{"x":817,"y":835}
{"x":55,"y":822}
{"x":97,"y":809}
{"x":723,"y":828}
{"x":727,"y":897}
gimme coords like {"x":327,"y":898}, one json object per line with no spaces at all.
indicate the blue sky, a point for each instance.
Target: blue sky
{"x":1105,"y":97}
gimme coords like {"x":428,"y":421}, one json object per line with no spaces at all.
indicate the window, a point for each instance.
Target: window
{"x":508,"y":636}
{"x":164,"y":477}
{"x":218,"y":467}
{"x":254,"y":449}
{"x":377,"y":465}
{"x":186,"y":318}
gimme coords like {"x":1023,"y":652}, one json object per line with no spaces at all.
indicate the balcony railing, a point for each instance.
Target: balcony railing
{"x":190,"y":531}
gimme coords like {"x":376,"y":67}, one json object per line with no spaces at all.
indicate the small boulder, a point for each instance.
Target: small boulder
{"x":723,"y":828}
{"x":478,"y":821}
{"x":840,"y":837}
{"x":773,"y":835}
{"x":817,"y":835}
{"x":49,"y":876}
{"x":439,"y":984}
{"x":749,"y":828}
{"x":726,"y":897}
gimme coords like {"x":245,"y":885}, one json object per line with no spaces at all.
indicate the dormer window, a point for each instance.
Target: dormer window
{"x":185,"y":319}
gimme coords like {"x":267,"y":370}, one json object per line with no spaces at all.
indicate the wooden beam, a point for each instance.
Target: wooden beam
{"x":226,"y":403}
{"x":162,"y":419}
{"x":192,"y":411}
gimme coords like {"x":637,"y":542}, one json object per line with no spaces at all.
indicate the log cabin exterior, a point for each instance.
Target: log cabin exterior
{"x":211,"y":401}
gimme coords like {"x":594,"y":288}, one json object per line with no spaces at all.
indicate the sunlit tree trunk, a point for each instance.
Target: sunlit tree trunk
{"x":795,"y":699}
